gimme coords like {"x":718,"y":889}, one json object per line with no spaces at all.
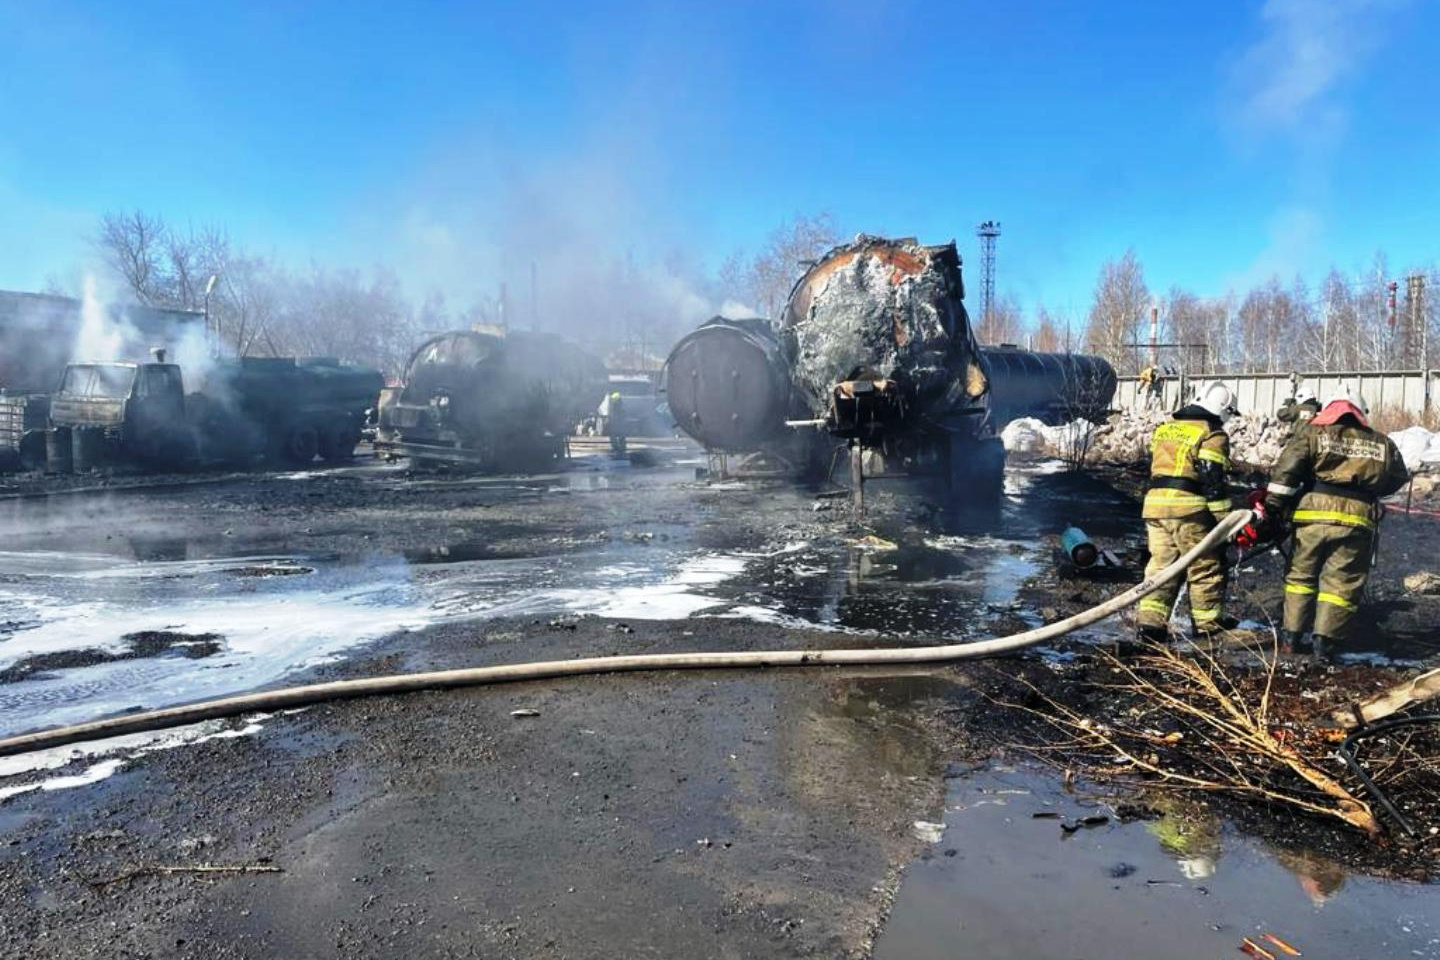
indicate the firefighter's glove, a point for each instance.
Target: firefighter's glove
{"x":1263,"y":528}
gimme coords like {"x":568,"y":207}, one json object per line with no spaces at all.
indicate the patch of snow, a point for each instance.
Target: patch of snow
{"x":1418,"y":446}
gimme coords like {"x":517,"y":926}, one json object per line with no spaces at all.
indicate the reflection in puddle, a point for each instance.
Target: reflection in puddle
{"x":1175,"y":888}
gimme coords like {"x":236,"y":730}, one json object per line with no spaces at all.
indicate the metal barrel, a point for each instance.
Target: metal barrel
{"x":1078,"y":547}
{"x":1054,"y":388}
{"x":728,"y":384}
{"x":57,"y":450}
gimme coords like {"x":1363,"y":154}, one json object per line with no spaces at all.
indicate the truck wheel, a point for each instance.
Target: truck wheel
{"x":338,"y":442}
{"x":301,"y":445}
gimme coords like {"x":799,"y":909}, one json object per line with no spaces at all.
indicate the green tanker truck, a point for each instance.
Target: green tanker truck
{"x":285,"y":410}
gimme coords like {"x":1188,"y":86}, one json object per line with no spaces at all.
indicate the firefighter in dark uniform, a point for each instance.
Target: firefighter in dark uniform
{"x":1328,"y":483}
{"x":1187,"y":495}
{"x":1299,"y":410}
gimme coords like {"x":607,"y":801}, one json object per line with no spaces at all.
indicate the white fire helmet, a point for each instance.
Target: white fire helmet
{"x":1217,"y":398}
{"x":1304,"y":394}
{"x":1345,"y":392}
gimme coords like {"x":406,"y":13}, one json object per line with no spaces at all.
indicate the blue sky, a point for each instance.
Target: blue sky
{"x":456,"y":142}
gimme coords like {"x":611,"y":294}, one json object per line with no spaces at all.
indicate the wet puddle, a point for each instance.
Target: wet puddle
{"x":1001,"y":883}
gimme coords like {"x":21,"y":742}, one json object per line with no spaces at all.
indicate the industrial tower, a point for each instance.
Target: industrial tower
{"x":987,"y":232}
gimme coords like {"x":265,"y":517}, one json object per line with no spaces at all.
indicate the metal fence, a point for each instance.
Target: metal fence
{"x":1410,"y":391}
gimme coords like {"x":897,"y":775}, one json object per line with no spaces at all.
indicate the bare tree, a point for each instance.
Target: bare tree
{"x":1121,"y":299}
{"x":1002,"y":324}
{"x":1048,"y":337}
{"x":134,"y":246}
{"x":766,"y":281}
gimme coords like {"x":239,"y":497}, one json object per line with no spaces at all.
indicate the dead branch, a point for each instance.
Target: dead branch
{"x":1224,"y":744}
{"x":1415,"y":690}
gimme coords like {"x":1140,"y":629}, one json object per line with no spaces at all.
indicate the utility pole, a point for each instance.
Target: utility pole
{"x":987,"y":232}
{"x":1154,"y":336}
{"x":1415,"y":333}
{"x":534,"y":296}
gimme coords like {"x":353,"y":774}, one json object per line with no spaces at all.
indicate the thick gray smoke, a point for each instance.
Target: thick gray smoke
{"x":107,"y":332}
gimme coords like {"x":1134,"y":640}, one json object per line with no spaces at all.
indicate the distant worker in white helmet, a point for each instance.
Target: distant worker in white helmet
{"x":1187,"y":495}
{"x":1300,"y":409}
{"x":1328,"y":483}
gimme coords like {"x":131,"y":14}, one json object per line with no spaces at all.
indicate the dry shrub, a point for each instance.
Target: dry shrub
{"x":1198,"y":721}
{"x":1392,"y":417}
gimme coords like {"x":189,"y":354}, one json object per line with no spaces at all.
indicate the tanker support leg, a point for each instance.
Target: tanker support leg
{"x":857,"y":479}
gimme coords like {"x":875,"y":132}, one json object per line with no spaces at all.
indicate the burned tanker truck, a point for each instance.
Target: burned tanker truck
{"x":284,"y":410}
{"x":485,"y":400}
{"x":873,"y":352}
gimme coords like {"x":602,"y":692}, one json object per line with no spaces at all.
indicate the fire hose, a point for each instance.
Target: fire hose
{"x":292,"y":697}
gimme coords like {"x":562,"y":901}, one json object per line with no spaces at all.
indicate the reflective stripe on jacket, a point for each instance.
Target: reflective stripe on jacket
{"x":1334,"y":474}
{"x":1191,"y":456}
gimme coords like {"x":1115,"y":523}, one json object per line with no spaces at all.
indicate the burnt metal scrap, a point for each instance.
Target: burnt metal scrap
{"x":489,"y":400}
{"x":875,"y":345}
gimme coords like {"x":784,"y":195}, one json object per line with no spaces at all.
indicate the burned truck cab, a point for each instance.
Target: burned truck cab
{"x":122,"y":410}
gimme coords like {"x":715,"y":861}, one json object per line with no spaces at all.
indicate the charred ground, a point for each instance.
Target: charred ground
{"x":705,"y":815}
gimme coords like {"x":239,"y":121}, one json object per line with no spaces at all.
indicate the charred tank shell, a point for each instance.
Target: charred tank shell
{"x":887,"y":310}
{"x":1054,"y":388}
{"x":728,"y":384}
{"x":494,"y":400}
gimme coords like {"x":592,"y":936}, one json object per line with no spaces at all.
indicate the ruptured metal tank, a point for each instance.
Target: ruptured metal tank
{"x":883,"y":345}
{"x":1054,"y":388}
{"x":728,"y":385}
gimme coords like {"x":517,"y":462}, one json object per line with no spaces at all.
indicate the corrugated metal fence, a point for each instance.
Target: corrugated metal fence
{"x":1411,"y":391}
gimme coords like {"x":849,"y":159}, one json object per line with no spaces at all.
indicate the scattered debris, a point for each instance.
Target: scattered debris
{"x":1402,"y":695}
{"x":1254,"y":949}
{"x":1085,"y":823}
{"x":1425,"y":583}
{"x":1284,"y":947}
{"x":927,"y":832}
{"x":872,"y":542}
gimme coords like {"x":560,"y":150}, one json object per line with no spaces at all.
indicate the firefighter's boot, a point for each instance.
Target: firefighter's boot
{"x":1295,"y":642}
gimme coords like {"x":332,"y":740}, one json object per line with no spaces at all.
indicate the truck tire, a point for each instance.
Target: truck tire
{"x":301,"y":445}
{"x":338,"y":441}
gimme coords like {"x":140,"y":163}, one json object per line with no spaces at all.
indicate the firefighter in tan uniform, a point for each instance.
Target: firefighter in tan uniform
{"x":1328,"y":482}
{"x":1187,"y":495}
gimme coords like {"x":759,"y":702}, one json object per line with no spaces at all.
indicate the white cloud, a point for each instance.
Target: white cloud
{"x":1289,"y":80}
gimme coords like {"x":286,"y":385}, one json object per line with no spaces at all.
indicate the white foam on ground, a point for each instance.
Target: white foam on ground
{"x":672,"y":598}
{"x":265,"y":638}
{"x":132,"y":747}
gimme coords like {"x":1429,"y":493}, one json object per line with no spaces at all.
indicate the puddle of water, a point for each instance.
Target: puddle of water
{"x":1019,"y":888}
{"x":942,"y":587}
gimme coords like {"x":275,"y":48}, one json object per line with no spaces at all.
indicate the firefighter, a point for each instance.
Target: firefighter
{"x":1299,"y":409}
{"x":1187,"y":494}
{"x":613,"y":410}
{"x":1328,"y":483}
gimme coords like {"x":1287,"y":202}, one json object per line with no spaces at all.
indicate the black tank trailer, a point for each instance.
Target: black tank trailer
{"x":1054,"y":388}
{"x":875,"y":347}
{"x":730,"y":386}
{"x":489,"y":401}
